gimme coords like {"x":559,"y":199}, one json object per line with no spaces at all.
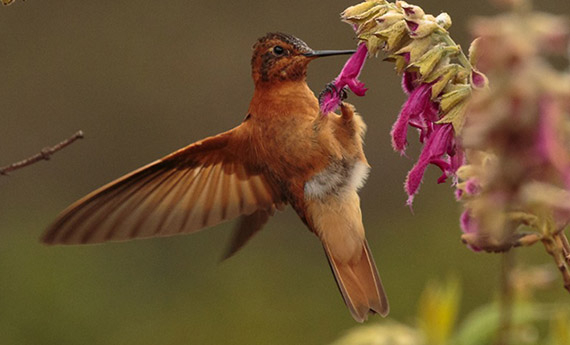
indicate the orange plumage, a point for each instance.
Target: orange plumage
{"x":284,"y":152}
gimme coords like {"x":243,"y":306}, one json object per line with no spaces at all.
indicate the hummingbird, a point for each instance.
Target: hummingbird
{"x":284,"y":152}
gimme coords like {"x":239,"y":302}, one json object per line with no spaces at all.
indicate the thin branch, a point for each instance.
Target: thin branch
{"x":565,"y":246}
{"x":45,"y":154}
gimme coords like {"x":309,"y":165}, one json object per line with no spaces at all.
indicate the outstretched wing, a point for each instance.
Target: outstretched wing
{"x":198,"y":186}
{"x":247,"y":226}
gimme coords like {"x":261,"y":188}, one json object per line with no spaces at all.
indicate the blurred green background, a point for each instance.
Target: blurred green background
{"x":144,"y":78}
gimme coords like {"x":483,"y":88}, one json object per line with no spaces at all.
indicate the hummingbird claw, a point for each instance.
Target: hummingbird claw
{"x":343,"y":94}
{"x":331,"y":89}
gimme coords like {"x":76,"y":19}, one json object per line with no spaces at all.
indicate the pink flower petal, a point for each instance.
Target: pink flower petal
{"x":457,"y":157}
{"x":472,"y":186}
{"x":352,"y":68}
{"x":413,"y":113}
{"x":469,"y":226}
{"x":478,"y":79}
{"x":435,"y":147}
{"x":412,"y":26}
{"x":399,"y":131}
{"x":458,"y":194}
{"x":329,"y":102}
{"x":348,"y":77}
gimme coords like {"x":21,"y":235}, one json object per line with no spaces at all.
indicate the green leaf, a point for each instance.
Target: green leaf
{"x":481,"y":326}
{"x":560,"y":328}
{"x":437,"y":311}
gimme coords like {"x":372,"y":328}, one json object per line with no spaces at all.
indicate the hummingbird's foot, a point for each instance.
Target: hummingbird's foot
{"x":347,"y":110}
{"x":329,"y":88}
{"x":343,"y":94}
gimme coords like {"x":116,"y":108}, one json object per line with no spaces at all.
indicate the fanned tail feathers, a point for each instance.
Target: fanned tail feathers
{"x":360,"y":285}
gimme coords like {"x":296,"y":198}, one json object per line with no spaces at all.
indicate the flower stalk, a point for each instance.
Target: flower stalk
{"x":517,"y":138}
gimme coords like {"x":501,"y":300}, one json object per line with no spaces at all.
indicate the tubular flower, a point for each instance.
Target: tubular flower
{"x":469,"y":227}
{"x":348,"y":77}
{"x":440,"y":150}
{"x":420,"y":112}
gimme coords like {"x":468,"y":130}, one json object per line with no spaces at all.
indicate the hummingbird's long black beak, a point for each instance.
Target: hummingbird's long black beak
{"x":320,"y":53}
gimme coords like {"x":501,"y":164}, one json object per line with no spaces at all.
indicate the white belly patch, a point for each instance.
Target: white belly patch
{"x":338,"y":178}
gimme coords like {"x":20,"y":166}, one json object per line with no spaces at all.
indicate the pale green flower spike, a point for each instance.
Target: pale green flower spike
{"x":419,"y":42}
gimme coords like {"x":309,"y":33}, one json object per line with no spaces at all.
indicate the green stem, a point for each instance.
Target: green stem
{"x":463,"y":60}
{"x":506,"y":299}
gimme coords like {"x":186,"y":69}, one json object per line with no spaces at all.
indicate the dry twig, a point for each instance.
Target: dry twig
{"x":44,"y":154}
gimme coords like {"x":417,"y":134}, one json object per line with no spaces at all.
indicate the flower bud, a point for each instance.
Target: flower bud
{"x":443,"y":20}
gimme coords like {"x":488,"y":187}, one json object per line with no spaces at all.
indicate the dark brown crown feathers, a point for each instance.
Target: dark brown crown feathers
{"x":295,"y":42}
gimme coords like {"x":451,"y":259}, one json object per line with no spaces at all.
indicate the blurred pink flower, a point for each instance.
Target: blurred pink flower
{"x":469,"y":226}
{"x":472,"y":187}
{"x":549,"y":146}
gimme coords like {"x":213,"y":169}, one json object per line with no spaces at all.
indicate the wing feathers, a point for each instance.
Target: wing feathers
{"x":210,"y":197}
{"x":225,"y":195}
{"x":195,"y":187}
{"x":247,"y":226}
{"x":87,"y":215}
{"x":172,"y":197}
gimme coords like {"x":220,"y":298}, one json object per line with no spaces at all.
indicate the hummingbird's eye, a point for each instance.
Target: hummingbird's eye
{"x":278,"y":50}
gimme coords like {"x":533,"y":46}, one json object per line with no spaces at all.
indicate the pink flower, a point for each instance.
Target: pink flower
{"x":418,"y":111}
{"x":478,"y":79}
{"x":469,"y":226}
{"x":440,"y":149}
{"x":472,"y":186}
{"x":549,"y":146}
{"x":409,"y":79}
{"x":329,"y":101}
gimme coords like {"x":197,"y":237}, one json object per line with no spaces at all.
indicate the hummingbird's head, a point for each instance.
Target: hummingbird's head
{"x":281,"y":57}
